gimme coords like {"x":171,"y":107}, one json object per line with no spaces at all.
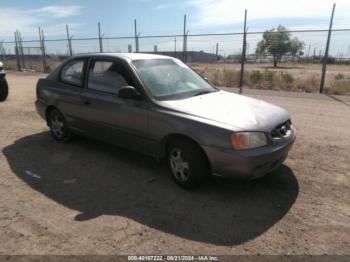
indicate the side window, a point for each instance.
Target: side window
{"x":72,"y":72}
{"x":108,"y":76}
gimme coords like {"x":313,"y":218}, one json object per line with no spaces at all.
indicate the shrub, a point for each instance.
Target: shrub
{"x":309,"y":85}
{"x":256,"y":77}
{"x":339,"y":89}
{"x":269,"y":75}
{"x":288,"y":78}
{"x":339,"y":76}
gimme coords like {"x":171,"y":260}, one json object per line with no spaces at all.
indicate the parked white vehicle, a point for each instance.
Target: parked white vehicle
{"x":2,"y":71}
{"x":3,"y":83}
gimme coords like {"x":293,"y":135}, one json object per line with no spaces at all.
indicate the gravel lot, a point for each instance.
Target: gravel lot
{"x":93,"y":198}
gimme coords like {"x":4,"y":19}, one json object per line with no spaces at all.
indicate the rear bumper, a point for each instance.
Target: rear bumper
{"x":40,"y":108}
{"x":249,"y":164}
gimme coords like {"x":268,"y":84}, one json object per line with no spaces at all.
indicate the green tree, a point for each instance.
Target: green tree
{"x":277,"y":42}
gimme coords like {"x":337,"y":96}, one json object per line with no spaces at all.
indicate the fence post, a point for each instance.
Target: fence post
{"x":243,"y":53}
{"x":43,"y":50}
{"x":18,"y":64}
{"x":184,"y":51}
{"x":69,"y":41}
{"x":136,"y":37}
{"x":325,"y":58}
{"x":314,"y":56}
{"x":2,"y":49}
{"x":100,"y":37}
{"x":21,"y":52}
{"x":217,"y":52}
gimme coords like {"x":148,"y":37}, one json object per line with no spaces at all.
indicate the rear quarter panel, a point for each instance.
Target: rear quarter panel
{"x":65,"y":98}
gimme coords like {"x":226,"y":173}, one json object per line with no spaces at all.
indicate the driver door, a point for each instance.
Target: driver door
{"x":106,"y":116}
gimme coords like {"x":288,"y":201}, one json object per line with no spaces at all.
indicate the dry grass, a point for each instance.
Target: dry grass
{"x":289,"y":77}
{"x":34,"y":65}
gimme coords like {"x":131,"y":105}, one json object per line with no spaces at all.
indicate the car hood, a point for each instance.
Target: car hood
{"x":238,"y":111}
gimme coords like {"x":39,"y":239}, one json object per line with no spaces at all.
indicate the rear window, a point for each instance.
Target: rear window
{"x":72,"y":73}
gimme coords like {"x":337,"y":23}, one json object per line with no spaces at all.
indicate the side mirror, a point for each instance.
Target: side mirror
{"x":128,"y":92}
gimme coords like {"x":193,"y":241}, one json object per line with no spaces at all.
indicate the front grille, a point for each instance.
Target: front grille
{"x":282,"y":131}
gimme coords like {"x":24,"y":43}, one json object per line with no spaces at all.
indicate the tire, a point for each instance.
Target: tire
{"x":188,"y":164}
{"x":58,"y":126}
{"x":4,"y":89}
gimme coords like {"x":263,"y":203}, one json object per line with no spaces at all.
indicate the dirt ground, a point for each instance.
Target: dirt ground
{"x":86,"y":197}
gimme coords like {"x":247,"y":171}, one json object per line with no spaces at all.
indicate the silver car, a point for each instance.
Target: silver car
{"x":158,"y":106}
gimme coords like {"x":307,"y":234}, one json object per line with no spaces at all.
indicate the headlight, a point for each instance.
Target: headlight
{"x":247,"y":140}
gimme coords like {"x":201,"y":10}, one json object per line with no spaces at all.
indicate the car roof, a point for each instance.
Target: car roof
{"x":127,"y":56}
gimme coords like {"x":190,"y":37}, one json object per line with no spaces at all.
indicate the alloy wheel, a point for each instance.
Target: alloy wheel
{"x":57,"y":126}
{"x":179,"y":165}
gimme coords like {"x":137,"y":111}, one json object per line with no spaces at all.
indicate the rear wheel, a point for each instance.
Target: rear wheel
{"x":58,"y":126}
{"x":4,"y":89}
{"x":188,"y":164}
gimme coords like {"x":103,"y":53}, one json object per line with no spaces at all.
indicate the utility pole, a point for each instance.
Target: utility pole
{"x":100,"y":37}
{"x":184,"y":51}
{"x":69,"y":40}
{"x":155,"y":50}
{"x":136,"y":37}
{"x":243,"y":52}
{"x":129,"y":49}
{"x":325,"y":58}
{"x":175,"y":48}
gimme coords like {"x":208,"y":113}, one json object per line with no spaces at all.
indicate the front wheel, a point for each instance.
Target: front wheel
{"x":58,"y":126}
{"x":4,"y":89}
{"x":188,"y":164}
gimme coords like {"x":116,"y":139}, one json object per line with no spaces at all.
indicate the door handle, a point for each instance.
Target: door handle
{"x":87,"y":102}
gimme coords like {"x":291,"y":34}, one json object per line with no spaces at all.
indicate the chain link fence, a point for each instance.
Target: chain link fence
{"x":219,"y":57}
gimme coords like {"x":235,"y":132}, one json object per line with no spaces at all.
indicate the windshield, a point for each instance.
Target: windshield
{"x":168,"y":79}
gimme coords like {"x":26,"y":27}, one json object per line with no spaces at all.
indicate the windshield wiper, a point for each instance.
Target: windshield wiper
{"x":203,"y":92}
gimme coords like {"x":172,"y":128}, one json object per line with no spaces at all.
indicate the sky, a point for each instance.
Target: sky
{"x":155,"y":17}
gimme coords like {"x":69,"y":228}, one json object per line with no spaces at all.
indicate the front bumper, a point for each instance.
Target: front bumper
{"x":252,"y":163}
